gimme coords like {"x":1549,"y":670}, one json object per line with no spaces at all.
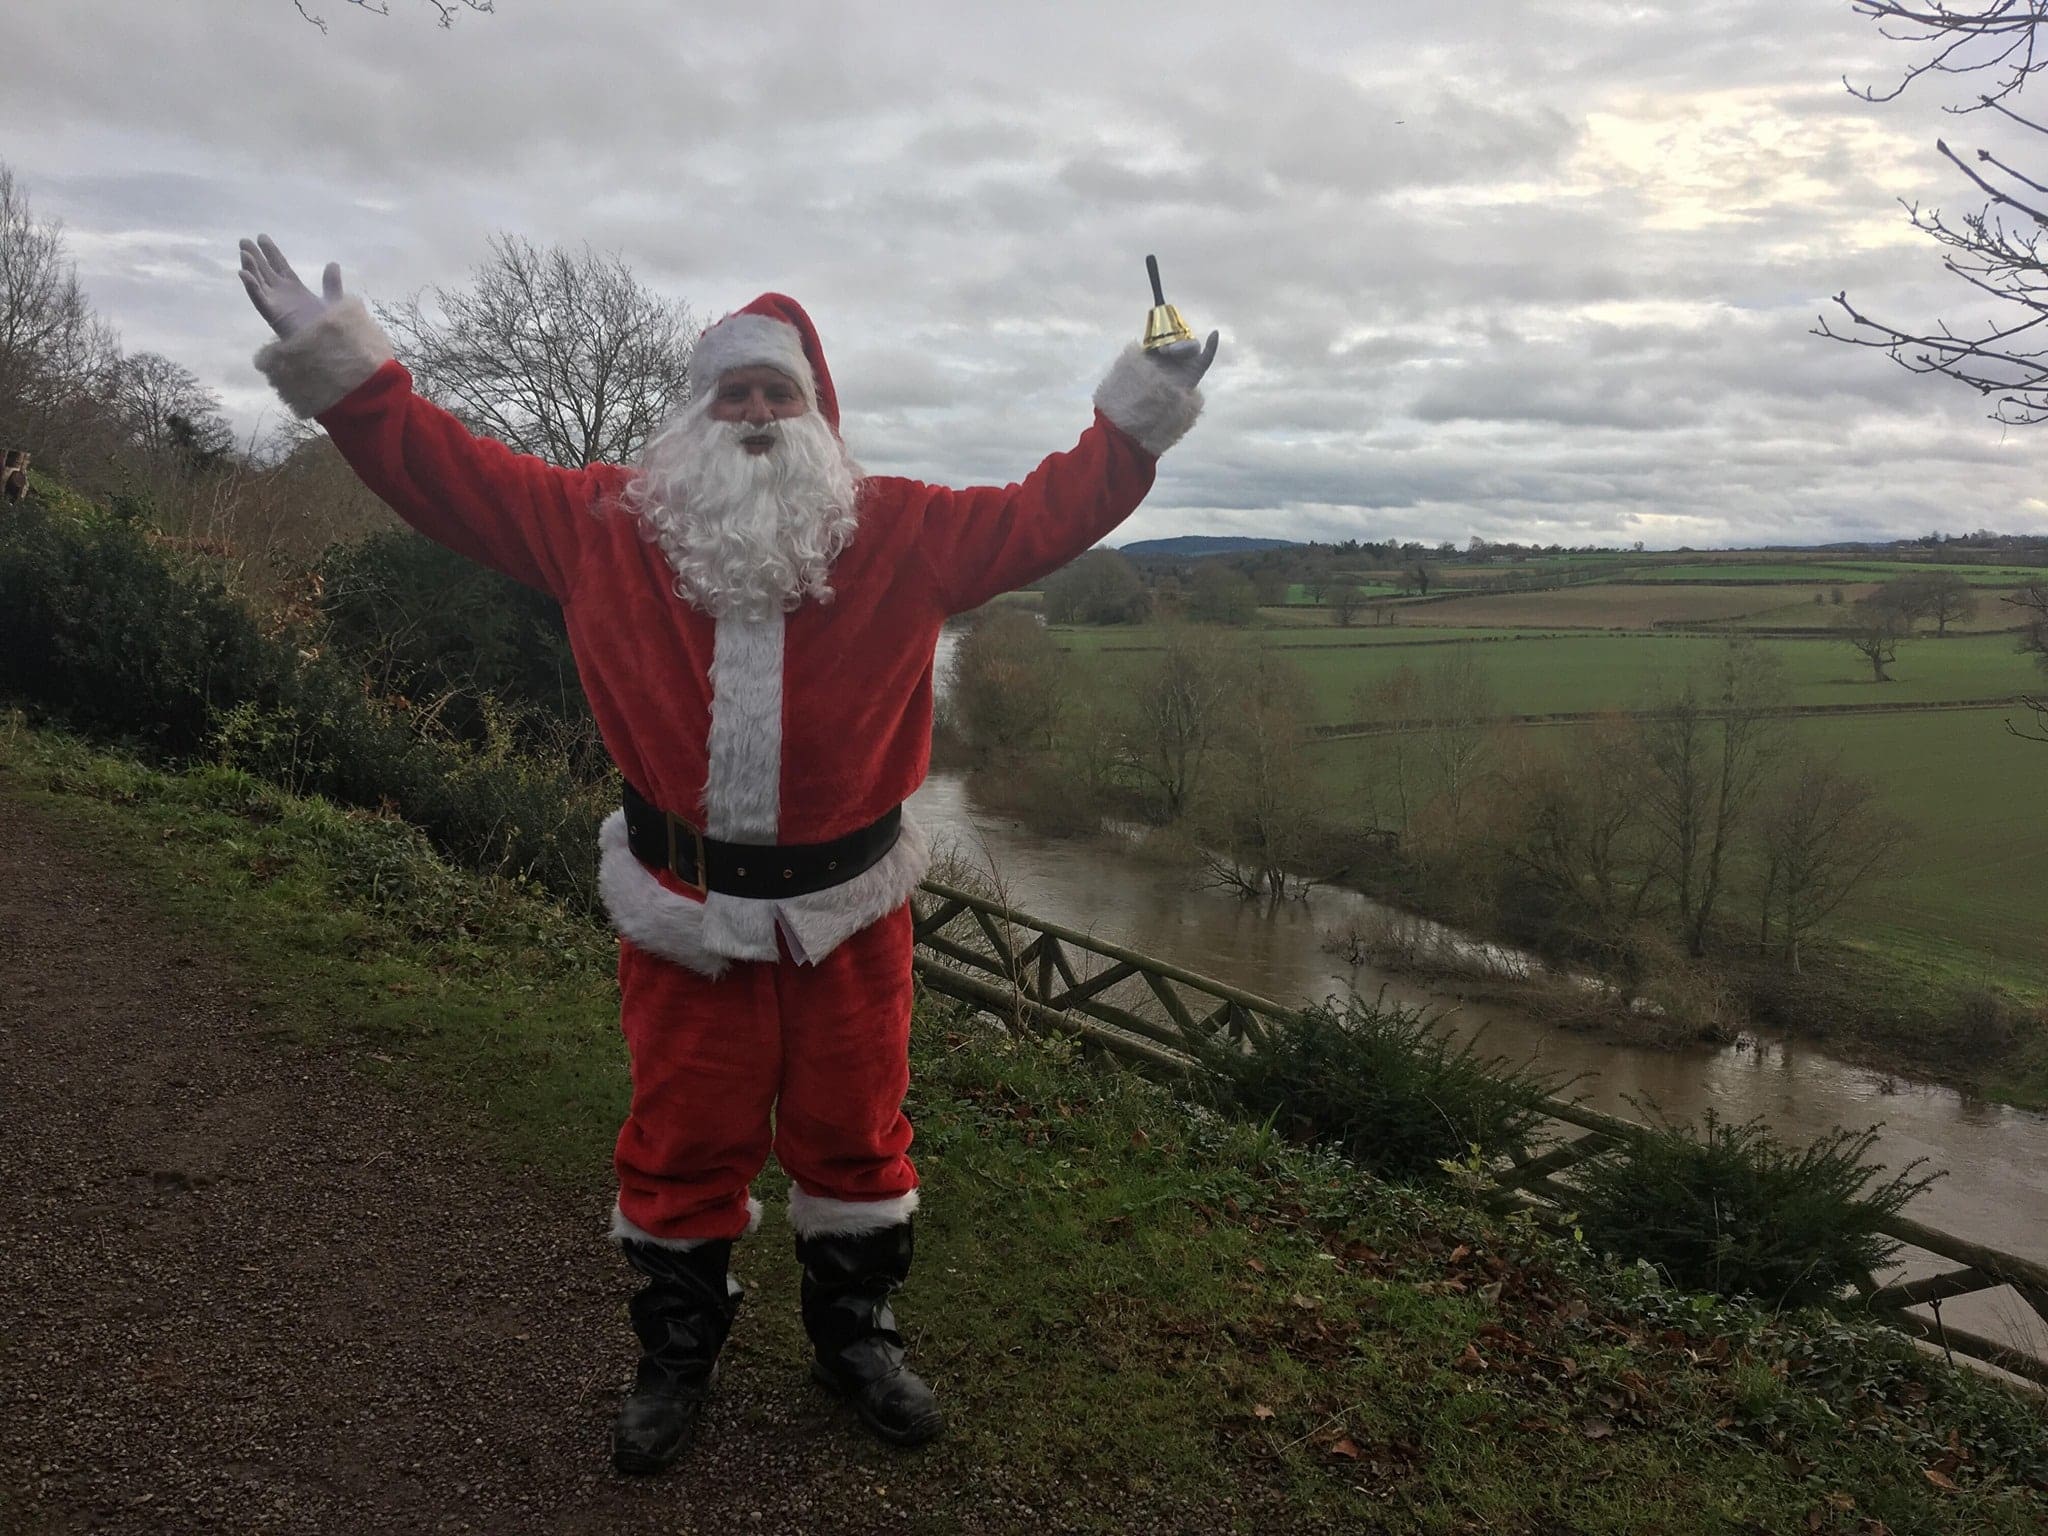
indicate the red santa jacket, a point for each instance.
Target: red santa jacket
{"x":795,"y":729}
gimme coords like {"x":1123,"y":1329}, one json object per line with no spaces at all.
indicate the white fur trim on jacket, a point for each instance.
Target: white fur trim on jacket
{"x":743,"y":774}
{"x":743,"y":779}
{"x":823,"y":920}
{"x":646,"y":911}
{"x":1142,"y":398}
{"x":318,"y":367}
{"x":746,"y":341}
{"x":707,"y":936}
{"x":623,"y":1231}
{"x":815,"y":1216}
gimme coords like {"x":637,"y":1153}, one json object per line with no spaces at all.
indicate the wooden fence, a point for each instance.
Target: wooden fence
{"x":1040,"y":976}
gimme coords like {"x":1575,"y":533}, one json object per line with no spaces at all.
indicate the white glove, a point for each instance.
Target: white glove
{"x":1184,"y":361}
{"x":274,"y":288}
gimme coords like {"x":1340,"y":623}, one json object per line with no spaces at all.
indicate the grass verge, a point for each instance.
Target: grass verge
{"x":1147,"y":1316}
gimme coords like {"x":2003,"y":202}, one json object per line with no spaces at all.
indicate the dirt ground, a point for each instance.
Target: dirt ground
{"x":244,"y":1289}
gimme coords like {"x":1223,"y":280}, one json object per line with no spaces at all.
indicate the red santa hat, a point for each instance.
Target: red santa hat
{"x":774,"y":332}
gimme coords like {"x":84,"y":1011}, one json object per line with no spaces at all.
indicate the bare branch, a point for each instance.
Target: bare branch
{"x":444,"y":10}
{"x":1995,"y":36}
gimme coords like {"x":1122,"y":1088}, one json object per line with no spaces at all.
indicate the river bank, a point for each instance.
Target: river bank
{"x":1896,"y":1016}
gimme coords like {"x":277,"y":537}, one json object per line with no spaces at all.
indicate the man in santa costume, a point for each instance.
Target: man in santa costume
{"x":753,"y":619}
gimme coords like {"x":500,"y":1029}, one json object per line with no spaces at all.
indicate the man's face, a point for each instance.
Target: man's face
{"x":757,"y":394}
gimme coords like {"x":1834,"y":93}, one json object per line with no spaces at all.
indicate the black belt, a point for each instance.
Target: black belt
{"x":752,"y":869}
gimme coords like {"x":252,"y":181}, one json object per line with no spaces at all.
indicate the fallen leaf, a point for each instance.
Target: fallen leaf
{"x":1940,"y":1480}
{"x":1596,"y":1429}
{"x":1347,"y":1448}
{"x":1459,"y":1253}
{"x":1255,"y":1266}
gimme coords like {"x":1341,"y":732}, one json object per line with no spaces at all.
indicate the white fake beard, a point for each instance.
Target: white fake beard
{"x":748,"y":535}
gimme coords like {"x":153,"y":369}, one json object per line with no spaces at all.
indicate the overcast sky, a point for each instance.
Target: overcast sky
{"x":1539,"y":271}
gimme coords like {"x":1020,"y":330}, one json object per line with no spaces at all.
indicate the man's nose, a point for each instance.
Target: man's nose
{"x":758,"y":410}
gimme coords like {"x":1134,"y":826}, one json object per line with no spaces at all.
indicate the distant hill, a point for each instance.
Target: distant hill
{"x":1193,"y":546}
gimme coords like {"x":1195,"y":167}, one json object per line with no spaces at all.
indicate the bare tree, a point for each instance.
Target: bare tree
{"x":1943,"y":596}
{"x":52,"y":347}
{"x":1822,"y":838}
{"x":2032,"y":602}
{"x":172,"y":414}
{"x":1461,"y":712}
{"x":1706,"y":750}
{"x":1580,"y":846}
{"x":1177,"y":709}
{"x":1258,"y":818}
{"x":1345,"y":599}
{"x":1102,"y":587}
{"x":1873,"y":629}
{"x":1995,"y":250}
{"x":1004,"y":687}
{"x":1220,"y":594}
{"x":444,"y":10}
{"x":559,"y":355}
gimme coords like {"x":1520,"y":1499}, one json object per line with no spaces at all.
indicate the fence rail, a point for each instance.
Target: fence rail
{"x":1047,"y":978}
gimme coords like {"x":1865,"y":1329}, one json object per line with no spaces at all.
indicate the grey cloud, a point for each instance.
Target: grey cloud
{"x":1433,"y":326}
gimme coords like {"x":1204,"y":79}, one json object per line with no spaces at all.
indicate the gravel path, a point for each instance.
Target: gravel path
{"x":244,"y":1289}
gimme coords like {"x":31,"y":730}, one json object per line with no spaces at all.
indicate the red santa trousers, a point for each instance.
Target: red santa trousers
{"x":822,"y":1049}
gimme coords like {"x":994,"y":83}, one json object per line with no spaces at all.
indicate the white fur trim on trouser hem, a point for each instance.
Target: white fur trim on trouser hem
{"x":815,"y":1216}
{"x":750,"y":341}
{"x":708,"y":936}
{"x":623,"y":1231}
{"x":1142,"y":398}
{"x":320,"y":365}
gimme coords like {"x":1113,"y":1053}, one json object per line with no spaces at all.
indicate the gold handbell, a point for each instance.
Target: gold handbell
{"x":1163,"y":326}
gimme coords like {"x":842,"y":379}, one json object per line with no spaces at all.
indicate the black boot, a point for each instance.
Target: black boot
{"x":859,"y":1353}
{"x":682,"y":1317}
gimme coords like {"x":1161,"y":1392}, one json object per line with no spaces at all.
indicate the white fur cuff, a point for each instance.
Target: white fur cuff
{"x":623,"y":1231}
{"x":815,"y":1216}
{"x":1142,"y":398}
{"x":317,"y":368}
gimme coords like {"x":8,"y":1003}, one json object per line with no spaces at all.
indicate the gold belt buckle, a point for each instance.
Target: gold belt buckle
{"x":701,"y":884}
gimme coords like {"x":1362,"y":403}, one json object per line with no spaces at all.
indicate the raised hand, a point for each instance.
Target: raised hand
{"x":274,"y":288}
{"x":1186,"y":361}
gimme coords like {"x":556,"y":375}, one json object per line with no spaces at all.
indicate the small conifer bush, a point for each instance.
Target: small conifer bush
{"x":1382,"y":1085}
{"x":1729,"y":1208}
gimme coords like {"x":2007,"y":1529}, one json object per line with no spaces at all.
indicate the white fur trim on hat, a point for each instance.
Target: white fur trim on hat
{"x":815,"y":1216}
{"x":624,"y":1231}
{"x":748,"y":341}
{"x":319,"y":366}
{"x":1145,"y":401}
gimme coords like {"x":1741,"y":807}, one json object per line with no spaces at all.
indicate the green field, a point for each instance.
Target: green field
{"x":1972,"y":900}
{"x":1848,"y":570}
{"x":1086,"y":640}
{"x":1539,"y":674}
